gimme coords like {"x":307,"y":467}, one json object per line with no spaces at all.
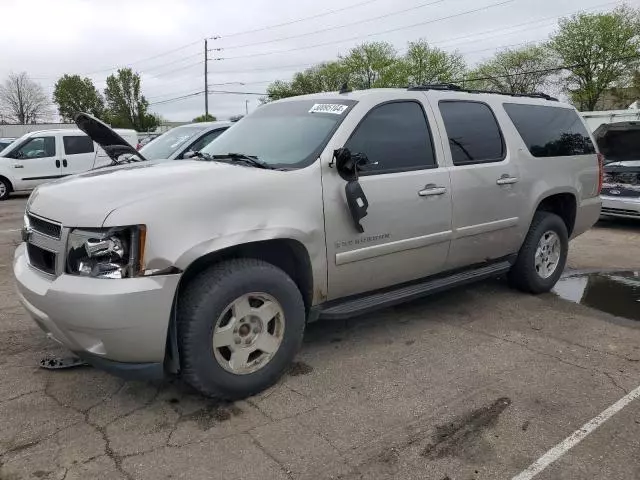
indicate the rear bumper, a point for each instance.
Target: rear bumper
{"x":624,"y":207}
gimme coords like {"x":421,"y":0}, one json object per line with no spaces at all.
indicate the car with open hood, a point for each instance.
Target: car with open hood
{"x":619,"y":142}
{"x":322,"y":206}
{"x":42,"y":156}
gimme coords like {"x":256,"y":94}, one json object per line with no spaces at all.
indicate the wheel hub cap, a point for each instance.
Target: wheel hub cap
{"x":547,"y":255}
{"x":248,"y":333}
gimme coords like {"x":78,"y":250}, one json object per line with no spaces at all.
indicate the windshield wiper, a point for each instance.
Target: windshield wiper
{"x":243,"y":158}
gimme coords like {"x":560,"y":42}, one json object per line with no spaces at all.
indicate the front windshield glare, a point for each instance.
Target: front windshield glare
{"x":168,"y":143}
{"x":289,"y":134}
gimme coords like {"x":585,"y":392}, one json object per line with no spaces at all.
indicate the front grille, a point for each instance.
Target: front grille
{"x":620,"y":211}
{"x":621,"y":192}
{"x":45,"y":227}
{"x":41,"y":259}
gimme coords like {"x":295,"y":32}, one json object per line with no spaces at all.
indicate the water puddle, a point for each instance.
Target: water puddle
{"x":617,"y":293}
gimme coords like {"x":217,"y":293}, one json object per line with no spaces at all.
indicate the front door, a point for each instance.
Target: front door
{"x":484,"y":179}
{"x":407,"y":228}
{"x":36,"y":161}
{"x":78,"y":153}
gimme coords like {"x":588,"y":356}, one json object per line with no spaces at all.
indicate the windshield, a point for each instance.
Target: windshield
{"x":168,"y":143}
{"x":288,"y":135}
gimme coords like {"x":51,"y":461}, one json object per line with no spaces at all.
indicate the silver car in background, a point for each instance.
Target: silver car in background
{"x":174,"y":144}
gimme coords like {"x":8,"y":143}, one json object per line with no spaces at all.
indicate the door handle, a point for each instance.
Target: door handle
{"x":507,"y":180}
{"x":64,"y":162}
{"x":57,"y":163}
{"x":432,"y":189}
{"x":18,"y":166}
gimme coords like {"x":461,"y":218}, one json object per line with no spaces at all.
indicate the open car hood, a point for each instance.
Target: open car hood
{"x":619,"y":141}
{"x":112,"y":143}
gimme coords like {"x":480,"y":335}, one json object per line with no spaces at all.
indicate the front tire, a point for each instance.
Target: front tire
{"x":240,"y":324}
{"x":5,"y":189}
{"x":543,"y":254}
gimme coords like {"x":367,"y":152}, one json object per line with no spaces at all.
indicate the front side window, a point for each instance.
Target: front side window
{"x":395,"y":137}
{"x":36,"y":147}
{"x":206,"y":140}
{"x":288,"y":134}
{"x":75,"y":145}
{"x":550,"y":131}
{"x":473,"y":132}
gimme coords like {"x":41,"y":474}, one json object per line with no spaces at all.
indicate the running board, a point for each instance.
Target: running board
{"x":387,"y":298}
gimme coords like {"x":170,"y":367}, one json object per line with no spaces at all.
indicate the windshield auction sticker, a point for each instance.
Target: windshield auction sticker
{"x":334,"y":108}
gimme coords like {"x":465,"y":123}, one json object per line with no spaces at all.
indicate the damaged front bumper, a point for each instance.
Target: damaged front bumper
{"x":116,"y":325}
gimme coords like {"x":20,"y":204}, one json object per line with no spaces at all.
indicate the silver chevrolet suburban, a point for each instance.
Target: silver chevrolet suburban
{"x":316,"y":207}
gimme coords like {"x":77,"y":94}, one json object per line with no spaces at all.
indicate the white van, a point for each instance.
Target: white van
{"x":41,"y":156}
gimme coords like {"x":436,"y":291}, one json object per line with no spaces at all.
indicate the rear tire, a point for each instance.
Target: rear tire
{"x":222,"y":328}
{"x":5,"y":189}
{"x":538,"y":268}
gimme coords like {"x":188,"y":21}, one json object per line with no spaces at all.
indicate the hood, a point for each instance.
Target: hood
{"x":85,"y":200}
{"x":619,"y":141}
{"x":112,"y":143}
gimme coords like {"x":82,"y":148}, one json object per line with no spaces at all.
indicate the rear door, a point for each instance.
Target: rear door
{"x":78,"y":153}
{"x":485,"y":183}
{"x":36,"y":161}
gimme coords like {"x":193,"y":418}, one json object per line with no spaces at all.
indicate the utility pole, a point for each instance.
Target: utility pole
{"x":206,"y":83}
{"x":246,"y":107}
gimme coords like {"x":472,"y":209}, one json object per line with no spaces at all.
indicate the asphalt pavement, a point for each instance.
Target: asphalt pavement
{"x":477,"y":383}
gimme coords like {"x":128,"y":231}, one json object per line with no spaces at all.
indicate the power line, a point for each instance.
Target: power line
{"x":359,"y":22}
{"x":329,"y":12}
{"x":333,"y":42}
{"x":169,"y":100}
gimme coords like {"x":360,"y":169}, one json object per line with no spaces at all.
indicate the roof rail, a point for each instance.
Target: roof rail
{"x":457,"y":88}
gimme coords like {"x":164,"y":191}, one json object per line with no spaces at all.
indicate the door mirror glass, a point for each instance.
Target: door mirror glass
{"x":189,"y":154}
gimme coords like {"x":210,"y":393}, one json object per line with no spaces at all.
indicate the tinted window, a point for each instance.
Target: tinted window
{"x":396,"y":136}
{"x":37,"y":147}
{"x":288,"y":134}
{"x":206,"y":140}
{"x":474,"y":134}
{"x":550,"y":131}
{"x":77,"y":145}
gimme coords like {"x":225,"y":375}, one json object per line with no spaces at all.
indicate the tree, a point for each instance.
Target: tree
{"x":371,"y":65}
{"x":22,"y":100}
{"x":325,"y":77}
{"x":599,"y":51}
{"x":204,"y":118}
{"x":74,"y":94}
{"x":522,"y":70}
{"x":422,"y":65}
{"x":127,"y":107}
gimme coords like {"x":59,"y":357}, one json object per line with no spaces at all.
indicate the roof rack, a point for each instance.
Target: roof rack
{"x":458,"y":88}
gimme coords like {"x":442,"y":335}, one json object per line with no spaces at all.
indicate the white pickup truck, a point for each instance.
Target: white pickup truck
{"x":41,"y":156}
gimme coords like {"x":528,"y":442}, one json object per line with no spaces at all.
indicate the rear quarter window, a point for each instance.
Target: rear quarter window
{"x":550,"y":131}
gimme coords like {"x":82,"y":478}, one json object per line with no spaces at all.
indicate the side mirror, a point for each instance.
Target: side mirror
{"x":349,"y":164}
{"x":189,"y":154}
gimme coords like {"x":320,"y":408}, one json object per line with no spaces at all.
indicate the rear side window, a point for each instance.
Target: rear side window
{"x":473,"y":131}
{"x":550,"y":131}
{"x":78,"y":144}
{"x":395,"y":137}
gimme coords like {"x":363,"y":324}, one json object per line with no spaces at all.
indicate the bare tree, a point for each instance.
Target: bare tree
{"x":22,"y":100}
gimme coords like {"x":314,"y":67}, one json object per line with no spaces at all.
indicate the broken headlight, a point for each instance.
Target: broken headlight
{"x":106,"y":253}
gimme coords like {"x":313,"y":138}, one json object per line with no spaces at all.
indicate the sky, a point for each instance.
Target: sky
{"x":252,"y":42}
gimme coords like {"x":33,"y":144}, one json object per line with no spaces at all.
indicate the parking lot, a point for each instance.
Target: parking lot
{"x":477,"y":383}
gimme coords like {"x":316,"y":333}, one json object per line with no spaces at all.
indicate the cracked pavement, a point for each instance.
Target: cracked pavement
{"x":476,"y":383}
